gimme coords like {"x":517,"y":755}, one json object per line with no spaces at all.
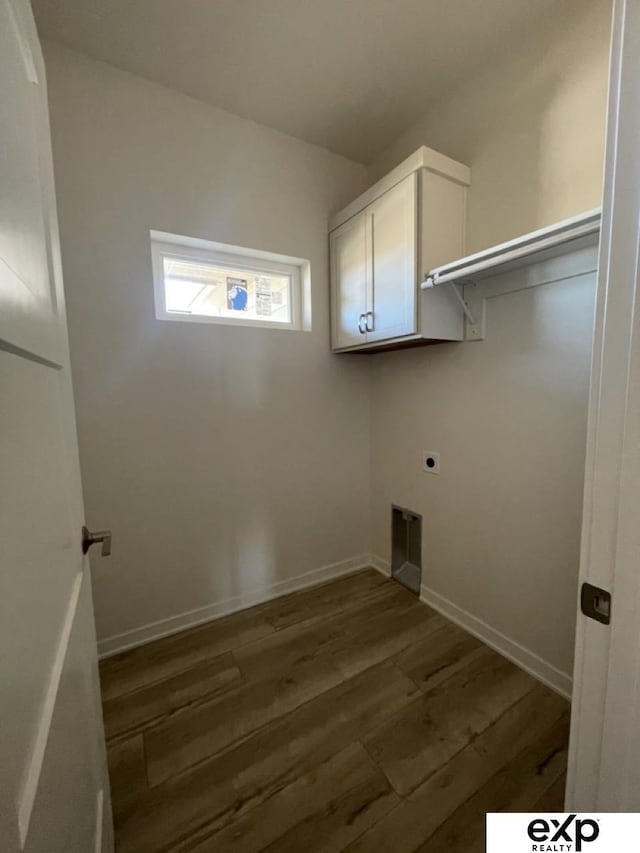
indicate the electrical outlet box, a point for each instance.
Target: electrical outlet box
{"x":431,"y":461}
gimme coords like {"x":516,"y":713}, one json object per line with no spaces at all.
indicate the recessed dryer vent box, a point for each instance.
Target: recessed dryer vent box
{"x":406,"y":548}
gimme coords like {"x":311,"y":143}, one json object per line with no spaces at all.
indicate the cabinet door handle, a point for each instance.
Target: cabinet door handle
{"x":360,"y":329}
{"x":368,"y":327}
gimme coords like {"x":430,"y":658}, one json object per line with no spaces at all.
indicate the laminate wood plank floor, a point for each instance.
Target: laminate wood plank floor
{"x":348,"y":717}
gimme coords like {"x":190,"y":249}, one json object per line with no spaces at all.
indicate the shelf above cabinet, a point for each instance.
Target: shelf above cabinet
{"x":544,"y":244}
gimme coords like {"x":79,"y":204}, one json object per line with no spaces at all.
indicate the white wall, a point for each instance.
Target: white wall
{"x":224,"y":459}
{"x":531,"y":127}
{"x":502,"y":522}
{"x":295,"y":434}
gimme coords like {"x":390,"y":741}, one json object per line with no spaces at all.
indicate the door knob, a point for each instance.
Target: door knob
{"x":89,"y":539}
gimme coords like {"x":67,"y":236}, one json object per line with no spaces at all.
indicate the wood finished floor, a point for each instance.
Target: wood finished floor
{"x":347,"y":717}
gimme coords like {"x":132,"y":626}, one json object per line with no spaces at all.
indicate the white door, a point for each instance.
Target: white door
{"x":54,"y":795}
{"x":604,"y":760}
{"x":392,"y":283}
{"x":348,"y":252}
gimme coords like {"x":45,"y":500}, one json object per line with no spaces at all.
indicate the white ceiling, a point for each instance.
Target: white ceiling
{"x":350,"y":75}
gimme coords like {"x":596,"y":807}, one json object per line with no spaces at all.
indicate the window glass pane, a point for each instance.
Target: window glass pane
{"x":200,"y":288}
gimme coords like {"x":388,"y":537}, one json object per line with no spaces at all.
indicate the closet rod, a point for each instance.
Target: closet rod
{"x":522,"y":247}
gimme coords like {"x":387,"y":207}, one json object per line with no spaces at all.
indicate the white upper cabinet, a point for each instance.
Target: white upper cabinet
{"x":348,"y":251}
{"x":381,"y":246}
{"x":391,"y":280}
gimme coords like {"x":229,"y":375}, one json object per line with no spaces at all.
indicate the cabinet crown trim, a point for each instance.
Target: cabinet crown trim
{"x":423,"y":158}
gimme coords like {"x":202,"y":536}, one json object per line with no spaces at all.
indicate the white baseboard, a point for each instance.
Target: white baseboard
{"x":380,"y":565}
{"x":164,"y":627}
{"x":541,"y":669}
{"x":537,"y":667}
{"x":545,"y":672}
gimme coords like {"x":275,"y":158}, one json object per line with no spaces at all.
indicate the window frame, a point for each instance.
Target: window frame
{"x":235,"y":258}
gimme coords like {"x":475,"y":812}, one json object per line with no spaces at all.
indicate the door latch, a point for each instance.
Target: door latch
{"x":595,"y":603}
{"x":89,"y":539}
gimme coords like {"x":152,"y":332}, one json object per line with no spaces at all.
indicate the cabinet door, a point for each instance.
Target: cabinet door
{"x":391,"y":279}
{"x":348,"y":251}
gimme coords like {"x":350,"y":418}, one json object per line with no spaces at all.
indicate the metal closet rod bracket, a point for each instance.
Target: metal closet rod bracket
{"x":430,"y":281}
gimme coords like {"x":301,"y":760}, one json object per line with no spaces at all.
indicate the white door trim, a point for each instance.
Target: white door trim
{"x":97,"y":844}
{"x":34,"y":766}
{"x":605,"y":749}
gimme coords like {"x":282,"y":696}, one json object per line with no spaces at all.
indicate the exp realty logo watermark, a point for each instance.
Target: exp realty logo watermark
{"x":560,"y":833}
{"x":566,"y":834}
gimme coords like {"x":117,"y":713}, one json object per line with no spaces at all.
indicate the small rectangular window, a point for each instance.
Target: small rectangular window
{"x":199,"y":281}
